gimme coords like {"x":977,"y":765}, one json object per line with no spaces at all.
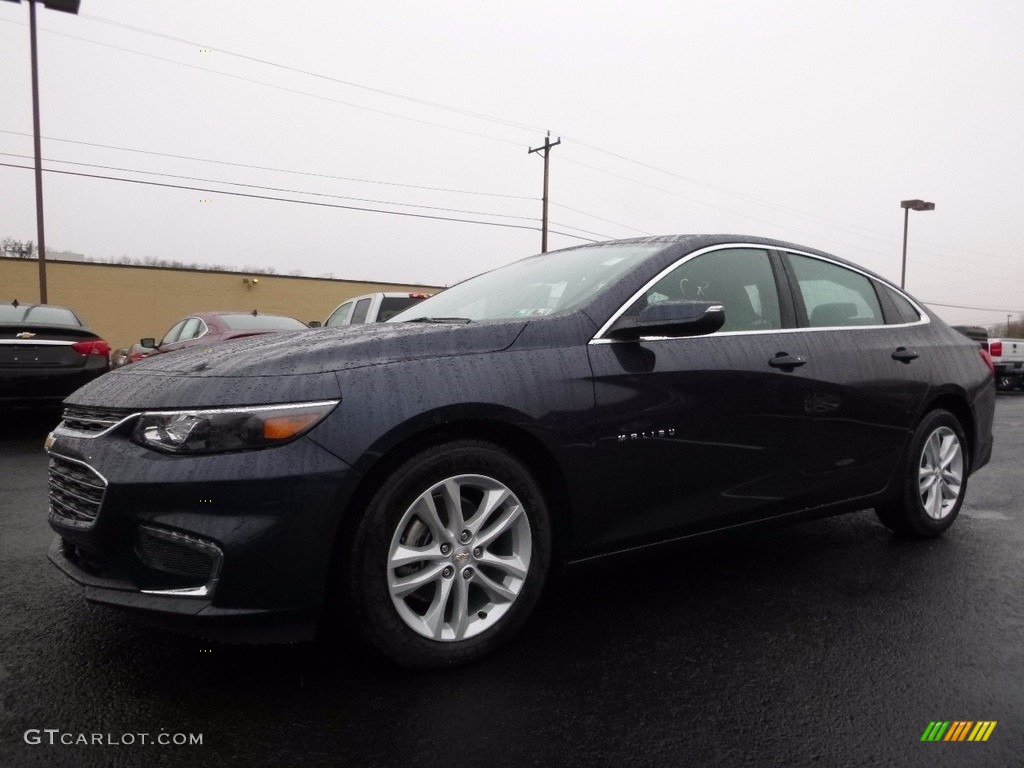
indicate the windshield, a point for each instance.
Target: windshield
{"x":549,"y":284}
{"x":261,"y":322}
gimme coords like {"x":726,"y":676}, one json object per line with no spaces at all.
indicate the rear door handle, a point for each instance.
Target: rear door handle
{"x":785,"y":361}
{"x":905,"y":355}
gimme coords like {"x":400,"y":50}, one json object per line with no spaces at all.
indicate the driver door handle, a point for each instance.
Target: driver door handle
{"x":786,"y":361}
{"x":905,"y":355}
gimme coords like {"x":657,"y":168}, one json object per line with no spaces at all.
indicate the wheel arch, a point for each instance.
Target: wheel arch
{"x":436,"y":429}
{"x":957,"y":405}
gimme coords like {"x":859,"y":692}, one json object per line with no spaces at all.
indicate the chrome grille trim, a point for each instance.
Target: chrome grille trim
{"x":81,"y":421}
{"x":75,"y":491}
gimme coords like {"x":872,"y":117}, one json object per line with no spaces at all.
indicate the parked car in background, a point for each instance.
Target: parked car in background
{"x":1008,"y":358}
{"x":417,"y":480}
{"x":206,"y":329}
{"x":46,"y":353}
{"x":372,"y":308}
{"x":975,"y":332}
{"x":137,"y":352}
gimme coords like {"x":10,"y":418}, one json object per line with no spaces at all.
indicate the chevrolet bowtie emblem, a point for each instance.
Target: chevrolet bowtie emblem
{"x":24,"y":335}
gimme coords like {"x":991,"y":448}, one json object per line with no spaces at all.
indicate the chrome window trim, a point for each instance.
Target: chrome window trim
{"x":207,"y":589}
{"x":599,"y":337}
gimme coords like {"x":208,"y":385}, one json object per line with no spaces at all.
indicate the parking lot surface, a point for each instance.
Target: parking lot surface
{"x":828,"y":644}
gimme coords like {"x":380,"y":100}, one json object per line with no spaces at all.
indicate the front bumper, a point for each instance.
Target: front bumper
{"x":237,"y":544}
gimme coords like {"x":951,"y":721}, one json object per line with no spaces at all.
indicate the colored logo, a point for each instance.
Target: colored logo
{"x":958,"y":730}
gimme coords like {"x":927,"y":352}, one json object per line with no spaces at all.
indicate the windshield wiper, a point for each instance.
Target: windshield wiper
{"x":456,"y":320}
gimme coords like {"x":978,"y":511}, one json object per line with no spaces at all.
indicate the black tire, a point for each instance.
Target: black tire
{"x":909,"y":514}
{"x":394,"y":626}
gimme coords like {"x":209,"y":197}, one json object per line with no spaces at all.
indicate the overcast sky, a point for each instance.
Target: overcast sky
{"x":802,"y":120}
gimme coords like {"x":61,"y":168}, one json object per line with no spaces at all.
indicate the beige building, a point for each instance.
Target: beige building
{"x":125,"y":303}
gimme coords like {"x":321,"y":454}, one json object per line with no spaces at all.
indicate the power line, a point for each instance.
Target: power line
{"x":607,"y":221}
{"x":829,"y":222}
{"x":832,"y":223}
{"x":275,"y":170}
{"x":393,"y":94}
{"x":278,"y":189}
{"x":981,"y":309}
{"x":290,"y":200}
{"x":277,"y":87}
{"x":303,"y":192}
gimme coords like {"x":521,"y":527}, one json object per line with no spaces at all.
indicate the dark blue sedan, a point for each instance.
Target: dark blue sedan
{"x":416,"y":481}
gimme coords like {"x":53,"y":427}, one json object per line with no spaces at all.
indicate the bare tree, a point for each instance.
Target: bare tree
{"x":21,"y":249}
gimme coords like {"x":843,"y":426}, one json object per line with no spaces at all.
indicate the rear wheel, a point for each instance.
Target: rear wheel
{"x":934,"y":479}
{"x":450,"y":556}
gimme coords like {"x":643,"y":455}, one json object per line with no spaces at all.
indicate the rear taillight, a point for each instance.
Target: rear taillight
{"x":995,"y":348}
{"x":988,"y":361}
{"x":98,"y":347}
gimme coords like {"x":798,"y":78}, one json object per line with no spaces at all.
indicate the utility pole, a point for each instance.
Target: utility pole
{"x":40,"y":236}
{"x":68,"y":6}
{"x":546,"y":149}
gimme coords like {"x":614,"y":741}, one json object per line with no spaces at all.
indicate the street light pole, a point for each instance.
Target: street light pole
{"x":907,"y":206}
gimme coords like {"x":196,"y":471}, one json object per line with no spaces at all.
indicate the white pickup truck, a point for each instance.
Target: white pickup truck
{"x":372,"y":308}
{"x":1008,"y":357}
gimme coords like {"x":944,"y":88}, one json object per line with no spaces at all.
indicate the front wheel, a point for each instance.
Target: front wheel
{"x":450,"y":556}
{"x":934,"y":479}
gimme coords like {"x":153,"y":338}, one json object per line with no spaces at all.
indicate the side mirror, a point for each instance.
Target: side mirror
{"x":671,"y":318}
{"x":147,"y":343}
{"x":314,"y":324}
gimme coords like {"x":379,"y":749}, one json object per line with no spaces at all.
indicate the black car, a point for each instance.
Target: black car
{"x":46,"y":353}
{"x":417,"y":480}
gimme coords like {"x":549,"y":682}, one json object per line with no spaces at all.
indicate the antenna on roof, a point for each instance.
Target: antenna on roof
{"x":14,"y":303}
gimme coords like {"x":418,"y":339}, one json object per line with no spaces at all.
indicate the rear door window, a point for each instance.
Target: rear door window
{"x":834,"y":296}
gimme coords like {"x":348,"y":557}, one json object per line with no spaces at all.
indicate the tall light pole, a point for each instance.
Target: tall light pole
{"x":68,"y":6}
{"x":1008,"y":324}
{"x":907,"y":206}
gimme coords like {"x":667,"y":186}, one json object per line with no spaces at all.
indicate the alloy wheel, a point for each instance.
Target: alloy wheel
{"x":940,"y":475}
{"x":459,"y":557}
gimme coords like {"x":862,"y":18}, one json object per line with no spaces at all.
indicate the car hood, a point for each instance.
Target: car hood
{"x":285,"y":366}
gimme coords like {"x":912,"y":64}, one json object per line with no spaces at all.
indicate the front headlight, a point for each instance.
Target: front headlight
{"x":219,"y":430}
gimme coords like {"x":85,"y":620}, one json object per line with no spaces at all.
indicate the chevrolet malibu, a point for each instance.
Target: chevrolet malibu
{"x":416,"y":481}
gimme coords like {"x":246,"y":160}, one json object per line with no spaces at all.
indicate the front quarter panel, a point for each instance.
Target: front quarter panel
{"x":541,"y":385}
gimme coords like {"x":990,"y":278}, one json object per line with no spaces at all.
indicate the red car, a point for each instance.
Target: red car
{"x":209,"y":328}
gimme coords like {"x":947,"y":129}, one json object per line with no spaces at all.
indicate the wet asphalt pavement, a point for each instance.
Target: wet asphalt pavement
{"x":827,"y":644}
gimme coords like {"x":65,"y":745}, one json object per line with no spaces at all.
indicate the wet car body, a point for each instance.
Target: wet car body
{"x":46,"y":353}
{"x":634,"y":442}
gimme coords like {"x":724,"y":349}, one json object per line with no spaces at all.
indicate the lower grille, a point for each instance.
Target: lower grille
{"x":76,"y":492}
{"x":196,"y":561}
{"x":91,"y":420}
